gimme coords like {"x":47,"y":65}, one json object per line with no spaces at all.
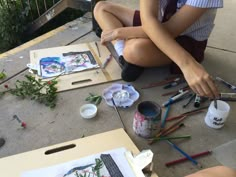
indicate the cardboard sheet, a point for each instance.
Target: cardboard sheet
{"x":17,"y":165}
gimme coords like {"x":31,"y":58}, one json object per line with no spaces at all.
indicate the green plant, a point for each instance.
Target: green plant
{"x":13,"y":20}
{"x":38,"y":90}
{"x":16,"y":15}
{"x":2,"y":75}
{"x":95,"y":99}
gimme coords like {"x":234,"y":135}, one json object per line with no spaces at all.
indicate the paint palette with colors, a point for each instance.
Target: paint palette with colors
{"x":124,"y":95}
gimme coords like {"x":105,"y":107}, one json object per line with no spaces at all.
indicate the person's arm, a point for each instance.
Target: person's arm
{"x":162,"y":35}
{"x":123,"y":33}
{"x":218,"y":171}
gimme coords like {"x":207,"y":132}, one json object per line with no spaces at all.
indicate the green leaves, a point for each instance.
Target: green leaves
{"x":95,"y":99}
{"x":97,"y":167}
{"x":38,"y":90}
{"x":2,"y":75}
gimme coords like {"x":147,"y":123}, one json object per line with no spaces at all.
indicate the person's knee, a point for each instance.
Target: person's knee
{"x":100,"y":7}
{"x":132,"y":51}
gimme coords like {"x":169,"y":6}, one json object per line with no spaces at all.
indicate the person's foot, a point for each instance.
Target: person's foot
{"x":130,"y":72}
{"x":2,"y":142}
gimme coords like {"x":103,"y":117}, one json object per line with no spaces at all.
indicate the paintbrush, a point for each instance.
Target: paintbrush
{"x":99,"y":54}
{"x":113,"y":102}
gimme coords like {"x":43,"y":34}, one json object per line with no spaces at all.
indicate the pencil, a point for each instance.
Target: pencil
{"x":99,"y":54}
{"x":106,"y":61}
{"x":165,"y":116}
{"x":173,"y":129}
{"x":184,"y":158}
{"x":166,"y":132}
{"x":198,"y":110}
{"x":166,"y":81}
{"x":183,"y":153}
{"x":172,"y":126}
{"x":169,"y":138}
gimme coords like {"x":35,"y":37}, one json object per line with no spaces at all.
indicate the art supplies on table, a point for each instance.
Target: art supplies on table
{"x":108,"y":59}
{"x":227,"y":84}
{"x":216,"y":117}
{"x":147,"y":119}
{"x":189,"y":101}
{"x":201,"y":154}
{"x":164,"y":82}
{"x":184,"y":153}
{"x":124,"y":95}
{"x":176,"y":92}
{"x":76,"y":65}
{"x":175,"y":98}
{"x":117,"y":112}
{"x":174,"y":83}
{"x":197,"y":101}
{"x":102,"y":164}
{"x":228,"y":96}
{"x":192,"y":112}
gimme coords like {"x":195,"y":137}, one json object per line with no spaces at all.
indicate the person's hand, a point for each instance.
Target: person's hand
{"x":109,"y":35}
{"x":199,"y":80}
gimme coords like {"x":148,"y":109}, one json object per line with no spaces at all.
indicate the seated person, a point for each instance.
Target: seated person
{"x":219,"y":171}
{"x":163,"y":32}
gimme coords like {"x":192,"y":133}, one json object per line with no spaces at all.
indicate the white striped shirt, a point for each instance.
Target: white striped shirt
{"x":202,"y":28}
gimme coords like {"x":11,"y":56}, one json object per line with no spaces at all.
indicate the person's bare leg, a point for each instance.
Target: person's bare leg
{"x":143,"y":52}
{"x":137,"y":52}
{"x":219,"y":171}
{"x":111,"y":16}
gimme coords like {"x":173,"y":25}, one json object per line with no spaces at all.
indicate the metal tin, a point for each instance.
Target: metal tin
{"x":147,"y":119}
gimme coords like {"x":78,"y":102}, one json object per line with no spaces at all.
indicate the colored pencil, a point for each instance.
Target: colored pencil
{"x":177,"y":91}
{"x":187,"y":113}
{"x":184,"y":158}
{"x":108,"y":59}
{"x":173,"y":129}
{"x":233,"y":87}
{"x":169,"y":138}
{"x":165,"y":116}
{"x":167,"y":129}
{"x":99,"y":54}
{"x":189,"y":101}
{"x":114,"y":105}
{"x":167,"y":132}
{"x":173,"y":99}
{"x":183,"y":153}
{"x":166,"y":81}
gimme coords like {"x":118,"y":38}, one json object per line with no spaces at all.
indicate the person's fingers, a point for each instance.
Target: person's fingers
{"x":200,"y":91}
{"x":194,"y":90}
{"x":213,"y":88}
{"x":207,"y":90}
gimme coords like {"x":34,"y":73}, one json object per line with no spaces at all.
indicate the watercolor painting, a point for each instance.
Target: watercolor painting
{"x":51,"y":66}
{"x":67,"y":63}
{"x":96,"y":169}
{"x":90,"y":166}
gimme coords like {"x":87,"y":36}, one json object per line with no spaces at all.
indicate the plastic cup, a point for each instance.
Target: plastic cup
{"x":215,"y":118}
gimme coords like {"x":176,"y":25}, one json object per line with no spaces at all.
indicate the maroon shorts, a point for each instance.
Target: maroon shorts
{"x":194,"y":47}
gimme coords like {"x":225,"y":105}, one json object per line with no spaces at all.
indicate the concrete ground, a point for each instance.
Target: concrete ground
{"x":47,"y":127}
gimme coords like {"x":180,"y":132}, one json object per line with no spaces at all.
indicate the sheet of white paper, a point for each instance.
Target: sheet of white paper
{"x":61,"y":170}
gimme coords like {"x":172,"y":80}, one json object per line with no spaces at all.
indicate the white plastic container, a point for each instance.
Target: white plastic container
{"x":88,"y":111}
{"x":215,"y":118}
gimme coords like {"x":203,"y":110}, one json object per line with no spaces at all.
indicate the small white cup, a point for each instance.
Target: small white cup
{"x":215,"y":118}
